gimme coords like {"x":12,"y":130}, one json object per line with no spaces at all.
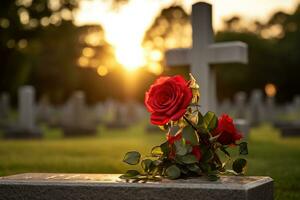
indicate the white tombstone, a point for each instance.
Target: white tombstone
{"x":257,"y":109}
{"x":4,"y":106}
{"x":270,"y":107}
{"x":44,"y":110}
{"x":225,"y":107}
{"x":26,"y":101}
{"x":77,"y":118}
{"x":240,"y":99}
{"x":296,"y":103}
{"x":204,"y":52}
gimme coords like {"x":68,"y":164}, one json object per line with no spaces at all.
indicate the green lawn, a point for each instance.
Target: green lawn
{"x":270,"y":155}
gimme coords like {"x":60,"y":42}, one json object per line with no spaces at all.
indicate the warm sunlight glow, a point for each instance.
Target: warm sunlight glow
{"x":94,"y":39}
{"x":83,"y":61}
{"x":155,"y":68}
{"x":88,"y":52}
{"x":102,"y":71}
{"x":156,"y":55}
{"x":131,"y":57}
{"x":270,"y":90}
{"x":125,"y":28}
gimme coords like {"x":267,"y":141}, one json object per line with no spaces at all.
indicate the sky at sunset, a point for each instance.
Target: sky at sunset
{"x":125,"y":28}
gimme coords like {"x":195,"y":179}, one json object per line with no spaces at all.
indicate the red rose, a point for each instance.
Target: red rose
{"x":168,"y":99}
{"x":227,"y":131}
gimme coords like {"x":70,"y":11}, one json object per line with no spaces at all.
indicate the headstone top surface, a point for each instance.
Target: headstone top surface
{"x":237,"y":182}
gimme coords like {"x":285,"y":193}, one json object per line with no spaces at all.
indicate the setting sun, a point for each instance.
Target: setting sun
{"x":131,"y":57}
{"x":125,"y":28}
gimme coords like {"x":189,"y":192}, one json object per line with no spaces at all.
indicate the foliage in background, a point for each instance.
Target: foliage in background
{"x":39,"y":43}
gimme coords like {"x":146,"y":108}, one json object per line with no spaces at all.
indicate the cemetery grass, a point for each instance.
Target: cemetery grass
{"x":270,"y":155}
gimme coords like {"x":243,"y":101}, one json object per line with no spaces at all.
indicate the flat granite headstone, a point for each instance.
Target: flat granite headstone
{"x":50,"y":186}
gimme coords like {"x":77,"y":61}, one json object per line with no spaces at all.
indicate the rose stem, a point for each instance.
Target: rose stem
{"x":192,"y":125}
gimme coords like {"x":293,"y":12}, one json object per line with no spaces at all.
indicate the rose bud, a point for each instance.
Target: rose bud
{"x":226,"y":130}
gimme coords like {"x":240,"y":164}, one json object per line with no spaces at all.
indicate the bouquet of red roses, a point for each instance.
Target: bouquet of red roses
{"x":193,"y":140}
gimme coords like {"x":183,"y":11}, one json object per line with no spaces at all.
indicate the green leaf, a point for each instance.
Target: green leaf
{"x":210,"y":120}
{"x":132,"y":157}
{"x":184,"y":170}
{"x":239,"y":165}
{"x":165,"y":149}
{"x":173,"y":172}
{"x":130,"y":174}
{"x":188,"y":159}
{"x":243,"y":148}
{"x":223,"y":149}
{"x":181,"y":149}
{"x":200,"y":120}
{"x":189,"y":134}
{"x":205,"y":167}
{"x":194,"y":168}
{"x":156,"y":151}
{"x":207,"y":154}
{"x":147,"y":165}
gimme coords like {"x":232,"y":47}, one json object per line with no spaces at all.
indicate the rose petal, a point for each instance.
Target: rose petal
{"x":178,"y":115}
{"x":159,"y":119}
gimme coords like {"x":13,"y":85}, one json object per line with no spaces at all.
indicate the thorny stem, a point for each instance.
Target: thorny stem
{"x":190,"y":123}
{"x":216,"y":157}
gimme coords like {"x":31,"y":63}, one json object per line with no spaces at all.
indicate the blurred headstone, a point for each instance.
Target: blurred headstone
{"x":256,"y":107}
{"x":225,"y":107}
{"x":26,"y":126}
{"x":77,"y":119}
{"x":296,"y":104}
{"x":270,"y":114}
{"x":290,"y":127}
{"x":240,"y":103}
{"x":44,"y":111}
{"x":205,"y":52}
{"x":120,"y":118}
{"x":4,"y":105}
{"x":99,"y":112}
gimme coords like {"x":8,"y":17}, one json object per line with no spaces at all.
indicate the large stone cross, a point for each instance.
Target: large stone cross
{"x":205,"y":52}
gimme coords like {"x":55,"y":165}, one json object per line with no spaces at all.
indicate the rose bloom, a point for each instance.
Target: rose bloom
{"x":168,"y":99}
{"x":227,"y":131}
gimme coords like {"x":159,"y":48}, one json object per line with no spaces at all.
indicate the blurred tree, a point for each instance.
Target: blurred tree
{"x":171,"y":29}
{"x":39,"y":44}
{"x":21,"y":23}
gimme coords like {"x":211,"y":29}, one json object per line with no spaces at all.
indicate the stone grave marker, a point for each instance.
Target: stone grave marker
{"x":290,"y":128}
{"x":120,"y":118}
{"x":225,"y":107}
{"x":4,"y":110}
{"x":50,"y":186}
{"x":270,"y":107}
{"x":241,"y":115}
{"x":26,"y":125}
{"x":4,"y":105}
{"x":77,"y":119}
{"x":44,"y":111}
{"x":296,"y":104}
{"x":256,"y":107}
{"x":205,"y":52}
{"x":240,"y":102}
